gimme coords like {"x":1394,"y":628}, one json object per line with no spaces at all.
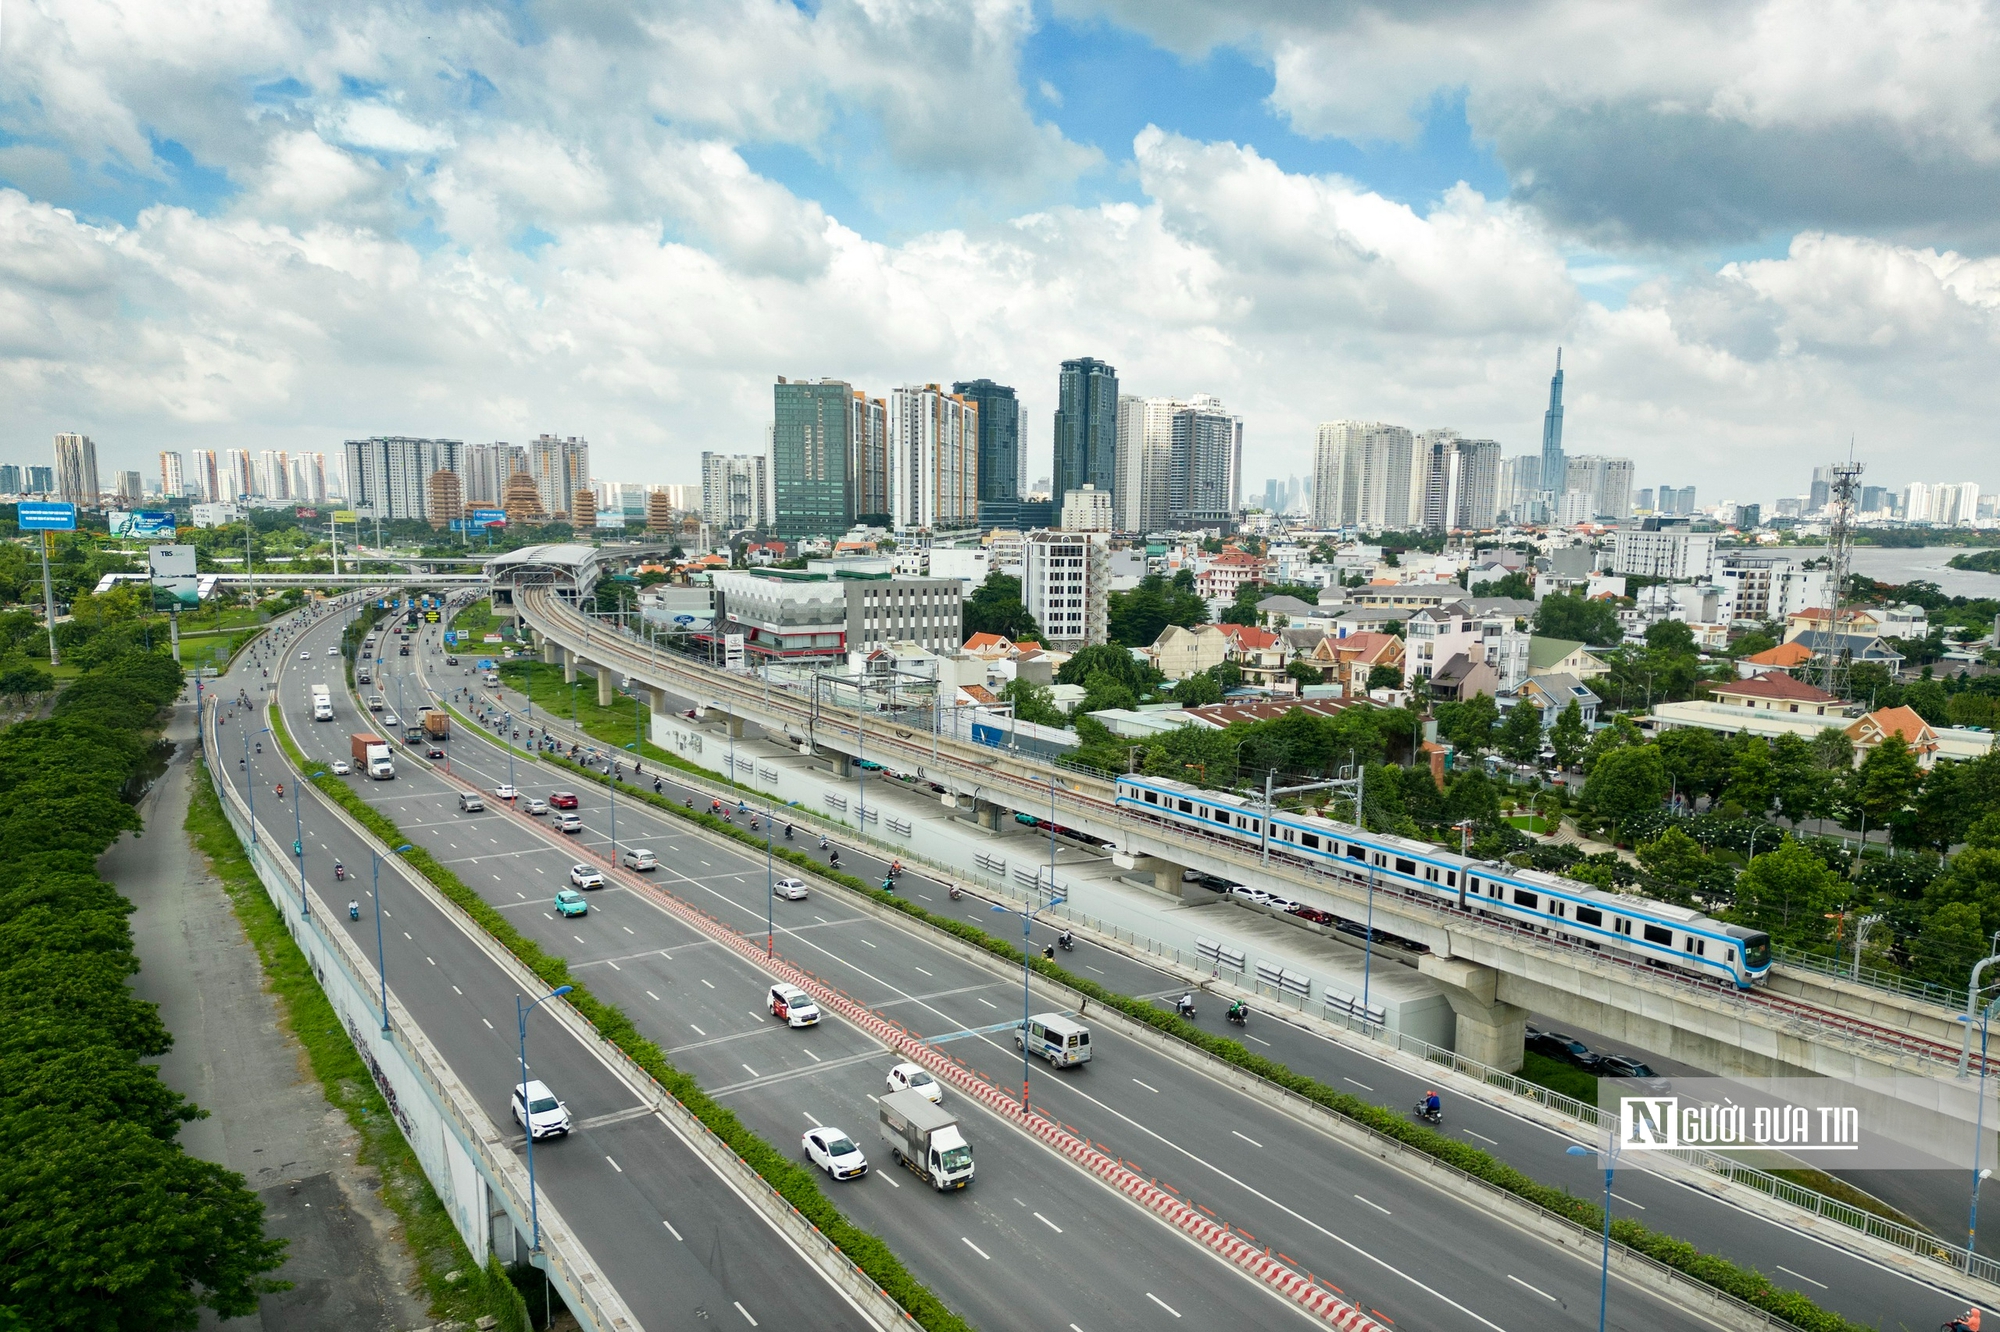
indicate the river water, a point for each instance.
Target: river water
{"x":1908,"y":564}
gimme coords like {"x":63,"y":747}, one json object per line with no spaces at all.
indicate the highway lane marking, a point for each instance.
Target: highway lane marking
{"x":1788,"y":1271}
{"x":615,"y":1166}
{"x":670,"y":1228}
{"x":1050,"y":1224}
{"x":815,"y":1058}
{"x":626,"y":928}
{"x":433,"y":961}
{"x":609,"y":963}
{"x":1252,"y":1141}
{"x":1377,"y":1206}
{"x":1538,"y":1290}
{"x":489,"y":1025}
{"x":765,"y":1029}
{"x":1248,"y":1037}
{"x":1163,"y":1304}
{"x":460,"y":993}
{"x":864,"y":941}
{"x":1364,"y":1086}
{"x":1154,"y":1090}
{"x":745,"y":1312}
{"x":1642,"y":1207}
{"x":823,"y":1066}
{"x":994,"y":1007}
{"x":1088,"y":967}
{"x":913,"y":964}
{"x":751,"y":1071}
{"x":1482,"y":1137}
{"x":406,"y":935}
{"x":976,"y":1249}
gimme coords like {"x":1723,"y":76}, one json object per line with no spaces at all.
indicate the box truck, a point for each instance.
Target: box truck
{"x":371,"y":755}
{"x":322,"y":703}
{"x":926,"y":1138}
{"x":437,"y":724}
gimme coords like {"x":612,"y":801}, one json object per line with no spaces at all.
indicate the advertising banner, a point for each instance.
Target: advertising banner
{"x":346,"y":516}
{"x":488,"y":518}
{"x":145,"y":524}
{"x":45,"y":516}
{"x":175,"y":582}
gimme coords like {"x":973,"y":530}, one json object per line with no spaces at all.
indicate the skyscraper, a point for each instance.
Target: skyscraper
{"x":933,"y":459}
{"x":486,"y":469}
{"x":1142,"y":491}
{"x":1521,"y":486}
{"x":131,"y":487}
{"x":41,"y":480}
{"x":207,"y":477}
{"x":1086,"y":426}
{"x":76,"y":470}
{"x":10,"y":479}
{"x":273,"y":479}
{"x":1207,"y":464}
{"x":237,"y":483}
{"x":561,"y":467}
{"x":1554,"y":477}
{"x":1000,"y":461}
{"x":1822,"y":489}
{"x":733,"y":491}
{"x":1361,"y":475}
{"x":172,"y":483}
{"x":387,"y":475}
{"x":309,"y":478}
{"x":1606,"y":484}
{"x":815,"y":464}
{"x":1476,"y":497}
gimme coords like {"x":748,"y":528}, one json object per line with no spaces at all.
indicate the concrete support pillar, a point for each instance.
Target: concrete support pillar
{"x":659,"y":702}
{"x":551,"y":654}
{"x":1488,"y":1029}
{"x":568,"y":664}
{"x":843,"y":766}
{"x":604,"y":686}
{"x":988,"y":815}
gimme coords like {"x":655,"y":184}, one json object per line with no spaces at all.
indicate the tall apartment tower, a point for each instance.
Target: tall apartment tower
{"x":1000,"y":462}
{"x":309,"y":478}
{"x":1554,"y":475}
{"x":173,"y":481}
{"x":933,"y":459}
{"x":1066,"y":585}
{"x":76,"y":471}
{"x":388,"y":475}
{"x":1520,"y":487}
{"x":1142,"y":490}
{"x":561,"y":467}
{"x":237,"y":479}
{"x":1476,"y":502}
{"x":816,"y":463}
{"x":734,"y":491}
{"x":1206,"y":464}
{"x":1361,"y":475}
{"x":486,"y":469}
{"x":274,"y":474}
{"x":1086,"y":426}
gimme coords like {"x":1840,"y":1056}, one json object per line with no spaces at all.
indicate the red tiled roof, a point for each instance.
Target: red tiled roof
{"x":985,"y":640}
{"x":1906,"y":722}
{"x":1249,"y":637}
{"x":1780,"y":687}
{"x":1784,"y":656}
{"x":1222,"y":714}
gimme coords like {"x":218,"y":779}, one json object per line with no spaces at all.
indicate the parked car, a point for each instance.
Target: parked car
{"x":916,"y":1078}
{"x":1624,"y":1066}
{"x":563,"y":800}
{"x":568,"y":823}
{"x":569,"y":902}
{"x":792,"y":890}
{"x":538,"y":1110}
{"x":584,"y":876}
{"x":834,"y":1152}
{"x":538,"y":807}
{"x":1559,"y":1045}
{"x":1249,"y":894}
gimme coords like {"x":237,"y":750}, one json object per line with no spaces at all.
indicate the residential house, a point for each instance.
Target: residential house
{"x":1298,"y":614}
{"x":1462,"y":678}
{"x":1561,"y":656}
{"x":1554,"y":692}
{"x":1348,"y":661}
{"x":1405,"y":596}
{"x":991,"y":647}
{"x":1861,"y":647}
{"x":1259,"y":653}
{"x":1782,"y":660}
{"x":1224,"y":575}
{"x":1871,"y":729}
{"x":1778,"y":692}
{"x":1909,"y":621}
{"x":1179,"y":653}
{"x":1370,"y":620}
{"x":1434,"y":636}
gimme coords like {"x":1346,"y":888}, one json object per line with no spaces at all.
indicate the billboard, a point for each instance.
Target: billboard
{"x":174,"y":580}
{"x":488,"y":518}
{"x":346,"y":516}
{"x":305,"y":513}
{"x":145,"y":524}
{"x":45,"y":516}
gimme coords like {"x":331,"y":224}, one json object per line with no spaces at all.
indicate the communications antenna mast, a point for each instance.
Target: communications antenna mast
{"x":1828,"y":666}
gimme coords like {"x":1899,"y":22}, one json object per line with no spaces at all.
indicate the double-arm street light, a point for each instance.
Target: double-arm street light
{"x":1027,"y":915}
{"x":1604,"y":1272}
{"x":521,"y":1012}
{"x":375,"y":891}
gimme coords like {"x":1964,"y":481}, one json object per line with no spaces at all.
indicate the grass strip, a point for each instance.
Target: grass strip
{"x":1744,"y":1283}
{"x":433,"y":1240}
{"x":794,"y":1182}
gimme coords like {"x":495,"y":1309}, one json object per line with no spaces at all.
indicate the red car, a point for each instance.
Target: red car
{"x":563,"y":800}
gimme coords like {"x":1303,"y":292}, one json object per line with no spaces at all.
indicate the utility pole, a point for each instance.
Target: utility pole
{"x":49,"y":600}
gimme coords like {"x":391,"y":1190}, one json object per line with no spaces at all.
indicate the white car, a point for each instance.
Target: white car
{"x":794,"y":1005}
{"x":342,"y":768}
{"x":538,"y":1110}
{"x":583,"y":876}
{"x":505,"y":791}
{"x":333,"y":651}
{"x":834,"y":1152}
{"x":916,"y":1078}
{"x":391,"y":719}
{"x":538,"y":806}
{"x":305,"y":656}
{"x":1257,"y":895}
{"x":792,"y":890}
{"x":639,"y":858}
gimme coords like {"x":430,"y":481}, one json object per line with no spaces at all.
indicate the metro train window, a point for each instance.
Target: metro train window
{"x":1557,"y":907}
{"x":1451,"y":878}
{"x":1405,"y":866}
{"x":1589,"y":916}
{"x":1522,"y":897}
{"x":1659,"y":934}
{"x":1472,"y":882}
{"x":1311,"y":840}
{"x":1729,"y":955}
{"x":1356,"y":852}
{"x":1152,"y":798}
{"x":1186,"y":807}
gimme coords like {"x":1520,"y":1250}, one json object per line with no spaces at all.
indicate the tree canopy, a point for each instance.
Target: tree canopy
{"x":1569,"y":615}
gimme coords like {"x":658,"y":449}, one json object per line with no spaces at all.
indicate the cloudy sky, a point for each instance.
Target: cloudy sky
{"x":1755,"y":228}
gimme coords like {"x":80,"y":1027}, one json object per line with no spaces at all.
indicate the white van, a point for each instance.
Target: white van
{"x":1060,"y":1040}
{"x":639,"y":858}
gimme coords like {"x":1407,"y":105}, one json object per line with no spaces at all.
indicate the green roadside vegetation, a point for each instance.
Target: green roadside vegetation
{"x":1563,"y":1079}
{"x":427,"y":1228}
{"x":617,"y":725}
{"x":796,"y":1183}
{"x":477,"y":619}
{"x":112,"y":1224}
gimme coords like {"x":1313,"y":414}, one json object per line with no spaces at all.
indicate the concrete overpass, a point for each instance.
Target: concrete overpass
{"x":1493,"y":973}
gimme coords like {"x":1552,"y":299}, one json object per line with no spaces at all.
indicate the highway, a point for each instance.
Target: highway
{"x":1858,"y":1289}
{"x":1032,"y":1243}
{"x":678,"y":1244}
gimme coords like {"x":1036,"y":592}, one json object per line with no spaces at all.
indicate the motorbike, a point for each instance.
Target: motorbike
{"x":788,"y":832}
{"x":339,"y":871}
{"x":1184,"y":1006}
{"x":353,"y":910}
{"x":888,"y":884}
{"x":1423,"y":1111}
{"x":833,"y":859}
{"x":1239,"y":1015}
{"x":1066,"y":941}
{"x":956,"y":892}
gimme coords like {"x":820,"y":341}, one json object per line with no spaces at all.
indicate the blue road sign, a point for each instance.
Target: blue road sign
{"x":44,"y":516}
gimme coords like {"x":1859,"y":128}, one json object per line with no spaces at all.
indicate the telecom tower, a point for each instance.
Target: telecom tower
{"x":1828,"y":667}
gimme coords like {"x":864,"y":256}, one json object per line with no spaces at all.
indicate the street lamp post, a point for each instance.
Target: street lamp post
{"x":247,"y":733}
{"x":1861,"y":928}
{"x":527,"y":1110}
{"x":375,"y":891}
{"x":299,"y":844}
{"x":1604,"y":1271}
{"x":1027,"y":915}
{"x":1978,"y":1132}
{"x":506,"y":726}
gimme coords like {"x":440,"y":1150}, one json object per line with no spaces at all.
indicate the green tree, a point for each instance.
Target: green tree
{"x":1973,"y":878}
{"x":1698,"y":761}
{"x":1682,"y":871}
{"x":1833,"y":751}
{"x":1102,"y":691}
{"x":1625,"y":782}
{"x":1298,"y":668}
{"x":1789,"y":893}
{"x":1570,"y":615}
{"x":1885,"y":783}
{"x":995,"y":608}
{"x":1753,"y":780}
{"x":1112,"y":660}
{"x":1952,"y":939}
{"x":1567,"y":736}
{"x":1192,"y":753}
{"x":1197,"y":691}
{"x":1385,"y":677}
{"x":1750,"y":644}
{"x":1670,"y":636}
{"x":24,"y":682}
{"x":1468,"y":723}
{"x":1516,"y":585}
{"x":1033,"y":703}
{"x":1140,"y":616}
{"x":1520,"y":737}
{"x":1802,"y":788}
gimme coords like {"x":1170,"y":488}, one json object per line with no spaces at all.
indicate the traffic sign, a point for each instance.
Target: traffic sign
{"x":45,"y":516}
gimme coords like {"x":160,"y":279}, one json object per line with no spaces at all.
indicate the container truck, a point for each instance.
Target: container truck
{"x":926,"y":1138}
{"x":371,"y":755}
{"x":437,"y":724}
{"x":322,"y":703}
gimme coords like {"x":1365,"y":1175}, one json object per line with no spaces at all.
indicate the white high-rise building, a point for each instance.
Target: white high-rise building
{"x":1066,"y":584}
{"x":238,"y":479}
{"x":561,"y":467}
{"x":1476,"y":500}
{"x":1088,"y":510}
{"x":273,"y":478}
{"x":1142,"y":491}
{"x":622,"y":497}
{"x":1361,"y":475}
{"x":173,"y":483}
{"x":734,"y":491}
{"x":1521,"y":488}
{"x":486,"y":469}
{"x":933,"y":459}
{"x":76,"y":471}
{"x":1664,"y":552}
{"x":1206,"y":467}
{"x":207,"y":476}
{"x":308,"y":478}
{"x":388,"y":475}
{"x":1433,"y":479}
{"x":1608,"y":481}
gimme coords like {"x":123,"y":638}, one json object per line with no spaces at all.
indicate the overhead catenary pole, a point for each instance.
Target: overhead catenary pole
{"x":49,"y":601}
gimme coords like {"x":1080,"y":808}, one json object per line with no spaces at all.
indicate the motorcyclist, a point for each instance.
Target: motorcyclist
{"x":1066,"y":940}
{"x":1433,"y":1104}
{"x":1238,"y":1011}
{"x":1967,"y":1321}
{"x":353,"y":909}
{"x":281,"y":790}
{"x":822,"y":841}
{"x":1185,"y":1004}
{"x":788,"y":832}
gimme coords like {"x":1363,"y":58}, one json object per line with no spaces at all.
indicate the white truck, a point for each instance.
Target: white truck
{"x":926,"y":1138}
{"x":371,"y":755}
{"x":322,"y":703}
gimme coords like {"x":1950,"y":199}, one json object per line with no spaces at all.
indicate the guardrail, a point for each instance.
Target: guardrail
{"x":1948,"y":997}
{"x":455,"y":1136}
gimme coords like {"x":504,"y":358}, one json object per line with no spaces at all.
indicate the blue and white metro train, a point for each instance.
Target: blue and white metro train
{"x":1653,"y":932}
